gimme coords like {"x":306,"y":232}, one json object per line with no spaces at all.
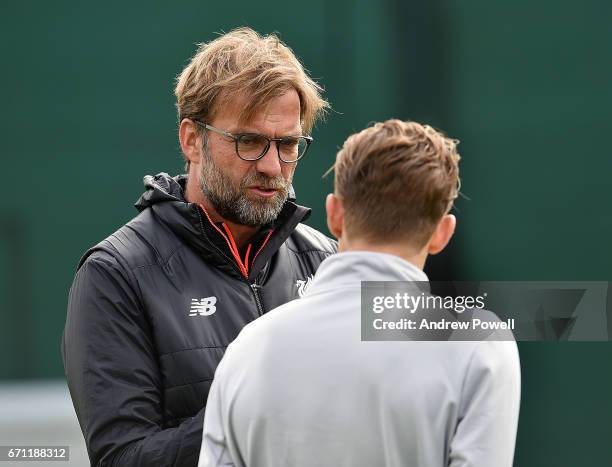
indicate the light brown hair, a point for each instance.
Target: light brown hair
{"x":396,"y":180}
{"x":244,"y":63}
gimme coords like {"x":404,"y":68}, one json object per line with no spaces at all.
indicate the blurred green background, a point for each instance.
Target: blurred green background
{"x":87,"y":110}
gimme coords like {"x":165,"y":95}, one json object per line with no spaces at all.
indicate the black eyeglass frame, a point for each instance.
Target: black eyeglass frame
{"x":237,"y":138}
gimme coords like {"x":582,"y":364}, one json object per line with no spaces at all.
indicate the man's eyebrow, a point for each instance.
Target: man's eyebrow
{"x":240,"y":130}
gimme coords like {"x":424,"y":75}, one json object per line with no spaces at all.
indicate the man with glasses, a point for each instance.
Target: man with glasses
{"x":154,"y":306}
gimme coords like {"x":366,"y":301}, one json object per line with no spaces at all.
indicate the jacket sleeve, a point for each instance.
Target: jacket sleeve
{"x":489,"y":407}
{"x":113,"y":374}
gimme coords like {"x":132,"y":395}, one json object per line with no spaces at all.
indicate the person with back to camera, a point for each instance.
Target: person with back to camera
{"x":299,"y":387}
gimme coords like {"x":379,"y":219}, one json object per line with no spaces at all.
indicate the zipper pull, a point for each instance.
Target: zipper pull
{"x":255,"y":288}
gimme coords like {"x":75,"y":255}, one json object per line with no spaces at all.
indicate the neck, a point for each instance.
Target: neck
{"x":401,"y":249}
{"x":241,"y":233}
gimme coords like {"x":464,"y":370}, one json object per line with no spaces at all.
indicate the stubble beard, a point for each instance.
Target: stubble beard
{"x":233,"y":203}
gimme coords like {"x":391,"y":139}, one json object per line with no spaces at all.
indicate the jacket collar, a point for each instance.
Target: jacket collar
{"x":165,"y":196}
{"x":349,"y":269}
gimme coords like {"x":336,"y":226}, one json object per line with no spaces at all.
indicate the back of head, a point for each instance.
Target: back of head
{"x":396,"y":181}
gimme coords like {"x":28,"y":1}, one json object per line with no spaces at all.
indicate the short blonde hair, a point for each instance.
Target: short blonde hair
{"x":244,"y":63}
{"x":396,"y":180}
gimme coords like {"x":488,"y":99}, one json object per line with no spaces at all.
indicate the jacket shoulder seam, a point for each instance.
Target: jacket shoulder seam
{"x":162,"y":262}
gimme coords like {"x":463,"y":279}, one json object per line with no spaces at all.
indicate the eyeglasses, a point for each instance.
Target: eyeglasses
{"x":253,"y":146}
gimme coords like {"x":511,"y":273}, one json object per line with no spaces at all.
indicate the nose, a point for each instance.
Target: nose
{"x":270,"y":164}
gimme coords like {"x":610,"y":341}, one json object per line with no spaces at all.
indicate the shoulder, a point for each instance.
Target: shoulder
{"x":266,"y":335}
{"x":283,"y":326}
{"x":143,"y":241}
{"x":495,"y":357}
{"x":305,"y":239}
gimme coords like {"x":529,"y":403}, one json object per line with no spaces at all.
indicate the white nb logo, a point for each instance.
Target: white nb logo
{"x":203,"y":306}
{"x":302,"y":285}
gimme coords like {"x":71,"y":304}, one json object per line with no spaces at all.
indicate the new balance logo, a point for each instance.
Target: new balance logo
{"x":203,"y":306}
{"x":302,"y":285}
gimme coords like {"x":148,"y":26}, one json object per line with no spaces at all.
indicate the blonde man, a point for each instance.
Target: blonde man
{"x":299,"y":387}
{"x":154,"y":306}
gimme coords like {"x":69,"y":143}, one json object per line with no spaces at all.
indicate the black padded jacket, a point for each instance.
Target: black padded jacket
{"x":151,"y":311}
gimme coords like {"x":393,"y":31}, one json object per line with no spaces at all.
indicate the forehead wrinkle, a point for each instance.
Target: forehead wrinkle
{"x":260,"y":124}
{"x":259,"y":127}
{"x":257,"y":120}
{"x":295,"y":131}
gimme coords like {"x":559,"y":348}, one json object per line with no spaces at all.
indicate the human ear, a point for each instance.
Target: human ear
{"x":442,"y":234}
{"x":190,"y":141}
{"x":335,"y":215}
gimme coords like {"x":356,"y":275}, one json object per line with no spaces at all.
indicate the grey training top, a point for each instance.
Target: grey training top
{"x":298,"y":387}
